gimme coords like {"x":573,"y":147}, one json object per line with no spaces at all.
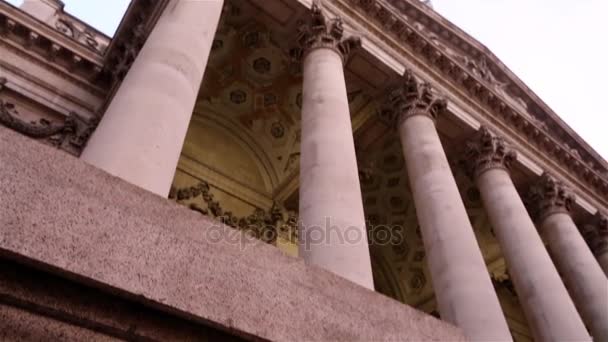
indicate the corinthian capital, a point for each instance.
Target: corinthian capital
{"x":596,"y":234}
{"x":323,"y":32}
{"x":411,"y":98}
{"x":549,"y":196}
{"x":486,"y":151}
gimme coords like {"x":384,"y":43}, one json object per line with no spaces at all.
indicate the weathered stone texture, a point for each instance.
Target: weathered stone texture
{"x":72,"y":219}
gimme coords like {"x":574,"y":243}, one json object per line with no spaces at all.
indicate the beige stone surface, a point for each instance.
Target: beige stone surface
{"x":74,"y":220}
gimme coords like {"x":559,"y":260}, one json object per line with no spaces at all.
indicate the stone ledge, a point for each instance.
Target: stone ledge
{"x":69,"y":218}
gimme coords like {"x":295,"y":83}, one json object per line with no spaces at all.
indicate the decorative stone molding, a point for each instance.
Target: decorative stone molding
{"x":596,"y":234}
{"x":411,"y":98}
{"x":485,"y":152}
{"x":130,"y":37}
{"x":549,"y":196}
{"x":71,"y":135}
{"x":322,"y":32}
{"x":81,"y":33}
{"x":266,"y":226}
{"x":120,"y":62}
{"x":69,"y":58}
{"x":442,"y":45}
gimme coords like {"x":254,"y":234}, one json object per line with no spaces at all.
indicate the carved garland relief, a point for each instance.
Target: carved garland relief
{"x":71,"y":135}
{"x":261,"y":224}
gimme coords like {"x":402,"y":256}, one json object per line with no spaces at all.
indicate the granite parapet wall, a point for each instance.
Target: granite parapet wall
{"x":72,"y":221}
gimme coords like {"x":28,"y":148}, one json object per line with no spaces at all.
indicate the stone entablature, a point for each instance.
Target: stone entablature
{"x":52,"y":13}
{"x":79,"y":31}
{"x":76,"y":59}
{"x":484,"y":84}
{"x":484,"y":64}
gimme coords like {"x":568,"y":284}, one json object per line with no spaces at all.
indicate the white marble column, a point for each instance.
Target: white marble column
{"x":551,"y":202}
{"x":140,"y":137}
{"x":463,"y":288}
{"x":332,"y":224}
{"x":596,"y":235}
{"x":547,"y":305}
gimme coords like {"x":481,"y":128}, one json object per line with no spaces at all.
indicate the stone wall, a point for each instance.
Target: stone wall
{"x":73,"y":223}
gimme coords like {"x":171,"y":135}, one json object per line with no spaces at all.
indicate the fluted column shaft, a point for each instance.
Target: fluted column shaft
{"x":548,"y":308}
{"x":332,"y":223}
{"x":463,"y":288}
{"x":582,"y":274}
{"x":142,"y":132}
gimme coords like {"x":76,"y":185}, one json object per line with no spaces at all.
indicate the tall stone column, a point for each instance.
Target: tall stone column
{"x":332,"y":224}
{"x":463,"y":288}
{"x":551,"y":203}
{"x":596,"y":235}
{"x":141,"y":135}
{"x":550,"y":311}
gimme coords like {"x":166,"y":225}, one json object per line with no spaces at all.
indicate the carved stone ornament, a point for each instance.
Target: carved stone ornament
{"x":485,"y":152}
{"x":549,"y":196}
{"x":486,"y":81}
{"x":71,"y":135}
{"x":411,"y":98}
{"x":322,"y":32}
{"x":263,"y":225}
{"x":596,"y":234}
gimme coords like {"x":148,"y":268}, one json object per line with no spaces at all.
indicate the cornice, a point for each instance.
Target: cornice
{"x":441,"y":29}
{"x":13,"y":20}
{"x":484,"y":78}
{"x":59,"y":52}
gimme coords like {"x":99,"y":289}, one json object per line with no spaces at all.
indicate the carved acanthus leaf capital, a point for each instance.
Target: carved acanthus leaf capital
{"x":411,"y":98}
{"x":549,"y":196}
{"x":596,"y":234}
{"x":486,"y":151}
{"x":323,"y":32}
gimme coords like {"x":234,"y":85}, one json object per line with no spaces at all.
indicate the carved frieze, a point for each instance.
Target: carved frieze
{"x":485,"y":152}
{"x":412,"y":97}
{"x":263,"y":225}
{"x":549,"y":196}
{"x":79,"y":64}
{"x":81,"y":33}
{"x":323,"y":32}
{"x":70,"y":135}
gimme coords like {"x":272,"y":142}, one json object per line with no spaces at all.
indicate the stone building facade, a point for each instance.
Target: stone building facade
{"x":287,"y":170}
